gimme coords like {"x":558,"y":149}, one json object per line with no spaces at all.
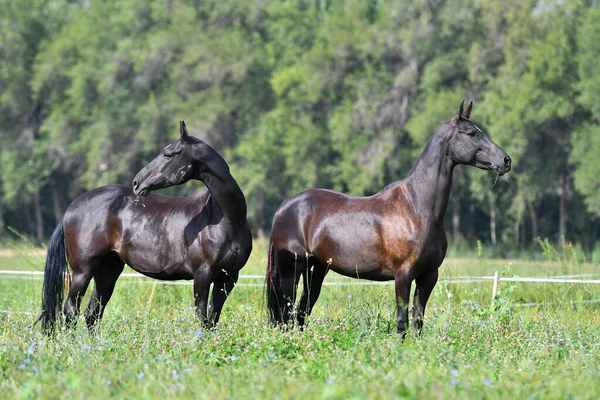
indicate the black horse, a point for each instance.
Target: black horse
{"x":203,"y":237}
{"x":397,"y":234}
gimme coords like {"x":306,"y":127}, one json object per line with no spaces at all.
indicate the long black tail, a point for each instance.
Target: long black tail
{"x":273,"y":287}
{"x":54,"y":279}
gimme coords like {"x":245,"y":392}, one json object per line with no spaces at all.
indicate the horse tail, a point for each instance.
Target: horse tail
{"x":273,"y":286}
{"x":54,"y":279}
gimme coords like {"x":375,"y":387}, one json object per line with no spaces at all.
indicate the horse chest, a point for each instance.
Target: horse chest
{"x":221,"y":250}
{"x":233,"y":259}
{"x":433,"y":251}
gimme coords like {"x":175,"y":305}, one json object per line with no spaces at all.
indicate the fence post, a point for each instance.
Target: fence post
{"x":495,"y":288}
{"x":149,"y":304}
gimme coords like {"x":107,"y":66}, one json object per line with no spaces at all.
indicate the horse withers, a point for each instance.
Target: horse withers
{"x":203,"y":237}
{"x":397,"y":234}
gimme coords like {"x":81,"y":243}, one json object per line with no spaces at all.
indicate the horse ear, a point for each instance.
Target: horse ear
{"x":183,"y":130}
{"x":460,"y":110}
{"x":468,"y":112}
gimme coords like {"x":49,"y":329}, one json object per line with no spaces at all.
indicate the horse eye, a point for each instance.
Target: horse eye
{"x":472,"y":133}
{"x":167,"y":155}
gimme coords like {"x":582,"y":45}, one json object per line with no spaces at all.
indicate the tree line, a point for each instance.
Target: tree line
{"x":305,"y":93}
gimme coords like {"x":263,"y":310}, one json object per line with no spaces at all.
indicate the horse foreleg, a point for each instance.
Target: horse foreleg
{"x":202,"y":281}
{"x":221,"y":290}
{"x":425,"y":284}
{"x":403,"y":282}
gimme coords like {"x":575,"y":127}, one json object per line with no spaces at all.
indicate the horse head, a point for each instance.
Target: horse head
{"x":176,"y":164}
{"x":469,"y":145}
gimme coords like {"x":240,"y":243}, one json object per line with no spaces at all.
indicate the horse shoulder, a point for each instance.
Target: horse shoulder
{"x":214,"y":240}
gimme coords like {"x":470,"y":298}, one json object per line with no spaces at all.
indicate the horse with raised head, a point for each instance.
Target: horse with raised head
{"x":397,"y":234}
{"x":203,"y":237}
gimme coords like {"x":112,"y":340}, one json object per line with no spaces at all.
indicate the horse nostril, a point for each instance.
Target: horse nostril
{"x":135,"y":184}
{"x":507,"y":161}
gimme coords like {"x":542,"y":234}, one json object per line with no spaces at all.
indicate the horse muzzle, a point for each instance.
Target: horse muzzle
{"x":139,"y":189}
{"x":506,"y":166}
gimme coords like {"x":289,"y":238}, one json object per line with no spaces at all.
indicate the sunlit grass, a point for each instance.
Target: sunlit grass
{"x":470,"y":348}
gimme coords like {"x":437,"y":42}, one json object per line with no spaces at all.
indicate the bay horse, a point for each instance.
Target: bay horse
{"x":203,"y":237}
{"x":397,"y":234}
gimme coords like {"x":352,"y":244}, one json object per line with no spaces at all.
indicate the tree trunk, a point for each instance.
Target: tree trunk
{"x":58,"y":211}
{"x":493,"y":222}
{"x":534,"y":223}
{"x":456,"y":218}
{"x":39,"y":220}
{"x":523,"y":235}
{"x":2,"y":232}
{"x":517,"y":230}
{"x":562,"y":208}
{"x":28,"y":224}
{"x":472,"y":234}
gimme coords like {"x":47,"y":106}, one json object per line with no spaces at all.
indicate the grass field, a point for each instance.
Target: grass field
{"x":151,"y":346}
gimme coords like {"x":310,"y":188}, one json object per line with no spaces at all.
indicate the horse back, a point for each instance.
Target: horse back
{"x":369,"y":237}
{"x":149,"y":234}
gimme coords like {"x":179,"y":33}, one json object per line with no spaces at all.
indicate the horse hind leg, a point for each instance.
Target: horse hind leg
{"x":313,"y":282}
{"x":81,"y":276}
{"x":105,"y":278}
{"x":290,"y":268}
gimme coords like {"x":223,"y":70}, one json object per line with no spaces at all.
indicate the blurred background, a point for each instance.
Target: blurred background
{"x":307,"y":93}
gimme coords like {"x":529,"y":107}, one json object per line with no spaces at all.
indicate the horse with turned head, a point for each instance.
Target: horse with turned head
{"x":203,"y":237}
{"x":397,"y":234}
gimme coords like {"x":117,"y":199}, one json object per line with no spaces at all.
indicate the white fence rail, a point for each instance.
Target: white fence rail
{"x":339,"y":281}
{"x":336,"y":280}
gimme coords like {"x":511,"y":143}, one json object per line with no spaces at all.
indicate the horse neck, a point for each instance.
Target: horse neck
{"x":430,"y":180}
{"x":224,"y":189}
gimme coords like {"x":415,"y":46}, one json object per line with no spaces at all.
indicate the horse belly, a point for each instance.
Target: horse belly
{"x":155,"y":255}
{"x":167,"y":275}
{"x":155,"y":265}
{"x":356,"y":255}
{"x":377,"y":273}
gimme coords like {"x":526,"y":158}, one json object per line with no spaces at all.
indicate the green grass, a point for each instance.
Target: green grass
{"x":470,"y":348}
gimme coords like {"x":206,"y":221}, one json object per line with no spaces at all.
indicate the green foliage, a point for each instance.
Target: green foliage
{"x":300,"y":94}
{"x":586,"y":140}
